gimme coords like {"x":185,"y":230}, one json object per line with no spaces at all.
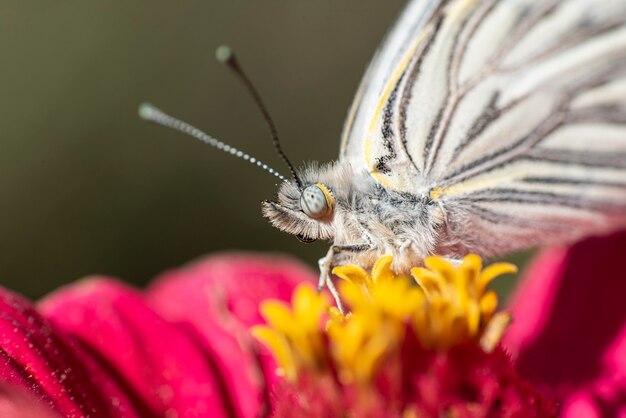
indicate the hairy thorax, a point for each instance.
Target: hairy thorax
{"x":401,"y":224}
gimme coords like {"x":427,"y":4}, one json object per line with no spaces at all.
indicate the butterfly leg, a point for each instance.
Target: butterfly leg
{"x":326,"y":265}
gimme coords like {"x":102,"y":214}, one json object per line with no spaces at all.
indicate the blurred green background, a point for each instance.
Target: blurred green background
{"x":87,"y":187}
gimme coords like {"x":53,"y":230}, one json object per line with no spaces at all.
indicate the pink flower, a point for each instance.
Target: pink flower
{"x":182,"y":347}
{"x":569,"y":333}
{"x":425,"y":351}
{"x":99,"y":348}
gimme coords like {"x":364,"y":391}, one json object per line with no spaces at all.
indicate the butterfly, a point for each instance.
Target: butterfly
{"x":480,"y":126}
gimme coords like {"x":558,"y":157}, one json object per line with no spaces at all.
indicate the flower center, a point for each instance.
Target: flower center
{"x":441,"y":306}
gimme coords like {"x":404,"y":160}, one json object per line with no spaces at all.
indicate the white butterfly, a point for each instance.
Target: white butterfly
{"x":480,"y":126}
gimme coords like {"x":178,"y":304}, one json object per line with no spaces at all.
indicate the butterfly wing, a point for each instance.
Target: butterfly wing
{"x":363,"y":142}
{"x":510,"y":114}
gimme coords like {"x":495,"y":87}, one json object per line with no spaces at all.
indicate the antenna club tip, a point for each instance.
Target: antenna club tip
{"x":223,"y":53}
{"x":146,"y":111}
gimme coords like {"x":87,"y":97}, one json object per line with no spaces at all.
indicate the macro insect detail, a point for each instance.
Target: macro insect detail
{"x":480,"y":126}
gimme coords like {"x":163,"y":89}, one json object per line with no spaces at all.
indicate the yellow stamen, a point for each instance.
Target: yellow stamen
{"x":294,"y":333}
{"x":443,"y":305}
{"x":279,"y":346}
{"x":460,"y":304}
{"x":355,"y":275}
{"x":493,"y":271}
{"x":494,"y":331}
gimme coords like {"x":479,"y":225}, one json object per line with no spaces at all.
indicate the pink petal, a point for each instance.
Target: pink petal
{"x":181,"y":351}
{"x":164,"y":370}
{"x":216,"y":300}
{"x":55,"y":370}
{"x":18,"y":402}
{"x":569,"y":333}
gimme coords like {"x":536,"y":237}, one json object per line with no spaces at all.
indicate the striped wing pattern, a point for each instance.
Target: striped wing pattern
{"x":509,"y":113}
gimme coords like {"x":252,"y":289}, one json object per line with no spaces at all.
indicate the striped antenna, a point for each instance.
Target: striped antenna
{"x":152,"y":114}
{"x":225,"y":55}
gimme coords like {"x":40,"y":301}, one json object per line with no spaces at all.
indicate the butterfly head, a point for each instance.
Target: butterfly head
{"x":313,"y":207}
{"x":306,"y":212}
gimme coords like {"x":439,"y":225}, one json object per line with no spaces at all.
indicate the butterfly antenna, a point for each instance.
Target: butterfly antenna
{"x":152,"y":114}
{"x":226,"y":56}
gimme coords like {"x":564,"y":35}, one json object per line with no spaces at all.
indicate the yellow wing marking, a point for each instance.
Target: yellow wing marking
{"x":436,"y":193}
{"x":482,"y":183}
{"x":381,"y":103}
{"x":458,"y":10}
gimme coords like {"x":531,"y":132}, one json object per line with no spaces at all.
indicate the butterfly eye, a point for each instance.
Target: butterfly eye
{"x":316,"y":201}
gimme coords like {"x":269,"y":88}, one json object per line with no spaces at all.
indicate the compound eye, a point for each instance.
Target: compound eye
{"x":316,"y":201}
